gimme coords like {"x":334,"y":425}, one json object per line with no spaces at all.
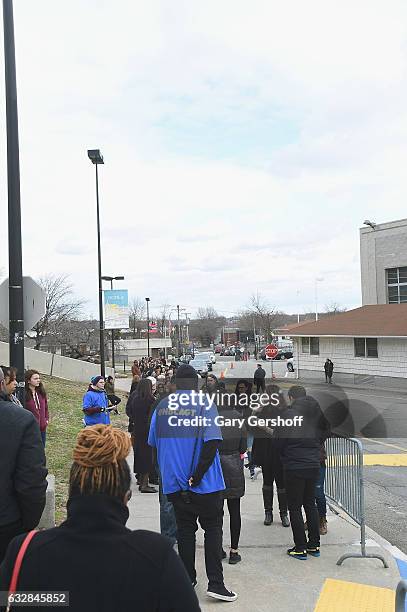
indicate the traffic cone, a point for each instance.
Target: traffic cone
{"x":222,"y":374}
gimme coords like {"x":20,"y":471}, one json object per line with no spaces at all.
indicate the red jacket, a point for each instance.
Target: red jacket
{"x":39,"y":408}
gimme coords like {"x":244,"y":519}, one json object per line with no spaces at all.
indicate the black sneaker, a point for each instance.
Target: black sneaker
{"x":297,"y":554}
{"x":313,"y":551}
{"x":234,"y":558}
{"x":221,"y":592}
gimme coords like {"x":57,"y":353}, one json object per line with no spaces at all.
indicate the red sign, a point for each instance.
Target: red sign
{"x":271,"y":350}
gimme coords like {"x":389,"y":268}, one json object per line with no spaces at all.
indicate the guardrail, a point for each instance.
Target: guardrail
{"x":344,"y":487}
{"x":401,"y":596}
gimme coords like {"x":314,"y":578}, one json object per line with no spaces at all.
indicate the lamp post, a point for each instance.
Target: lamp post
{"x":148,"y":327}
{"x":317,"y":280}
{"x":111,"y":279}
{"x":16,"y":301}
{"x":96,"y":159}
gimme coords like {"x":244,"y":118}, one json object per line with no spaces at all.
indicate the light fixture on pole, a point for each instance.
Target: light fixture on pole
{"x":111,"y":279}
{"x":317,"y":280}
{"x":370,"y":224}
{"x":96,"y":159}
{"x":148,"y":327}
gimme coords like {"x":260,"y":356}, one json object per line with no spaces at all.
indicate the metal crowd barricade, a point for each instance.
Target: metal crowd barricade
{"x":401,"y":596}
{"x":344,"y":486}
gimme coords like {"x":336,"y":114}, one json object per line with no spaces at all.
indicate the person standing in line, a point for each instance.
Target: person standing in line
{"x":23,"y":473}
{"x":320,"y":493}
{"x":243,"y":391}
{"x":266,"y":454}
{"x":135,"y":369}
{"x":10,"y":384}
{"x":329,"y":369}
{"x":259,"y":378}
{"x":95,"y":403}
{"x":191,"y":472}
{"x":300,"y":453}
{"x":139,"y":408}
{"x":36,"y":401}
{"x":114,"y":400}
{"x":93,"y":555}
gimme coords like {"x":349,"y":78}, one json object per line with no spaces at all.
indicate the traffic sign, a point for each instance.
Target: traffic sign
{"x":34,"y":302}
{"x":271,"y":351}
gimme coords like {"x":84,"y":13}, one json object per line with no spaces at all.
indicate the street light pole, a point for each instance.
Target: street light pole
{"x":148,"y":327}
{"x":96,"y":159}
{"x":16,"y":299}
{"x":179,"y":336}
{"x":317,"y":280}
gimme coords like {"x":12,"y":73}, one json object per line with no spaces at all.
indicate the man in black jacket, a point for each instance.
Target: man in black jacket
{"x":259,"y":378}
{"x":23,"y":473}
{"x":300,"y":448}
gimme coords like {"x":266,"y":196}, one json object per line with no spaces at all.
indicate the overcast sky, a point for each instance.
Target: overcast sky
{"x":244,"y":144}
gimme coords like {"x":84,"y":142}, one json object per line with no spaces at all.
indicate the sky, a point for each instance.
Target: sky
{"x":244,"y":145}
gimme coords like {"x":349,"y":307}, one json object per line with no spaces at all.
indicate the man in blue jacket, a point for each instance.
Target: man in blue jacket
{"x":95,"y":403}
{"x":185,"y":433}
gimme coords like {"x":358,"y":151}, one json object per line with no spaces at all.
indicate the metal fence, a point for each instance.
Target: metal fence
{"x":344,"y":486}
{"x":401,"y":596}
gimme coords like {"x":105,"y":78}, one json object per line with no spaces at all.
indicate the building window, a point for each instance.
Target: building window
{"x":310,"y":346}
{"x":314,"y":346}
{"x":365,"y":347}
{"x":397,"y":285}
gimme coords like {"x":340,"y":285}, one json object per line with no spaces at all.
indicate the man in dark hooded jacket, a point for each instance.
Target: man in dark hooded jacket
{"x":23,"y":473}
{"x":300,"y":448}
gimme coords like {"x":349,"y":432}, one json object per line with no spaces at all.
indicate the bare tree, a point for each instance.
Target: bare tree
{"x":162,"y":321}
{"x":206,"y":325}
{"x":60,"y":307}
{"x":264,"y":317}
{"x":334,"y":308}
{"x":137,"y":313}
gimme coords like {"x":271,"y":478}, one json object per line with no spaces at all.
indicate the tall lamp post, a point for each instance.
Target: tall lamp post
{"x":317,"y":280}
{"x":16,"y":302}
{"x":96,"y":159}
{"x":111,"y":279}
{"x":148,"y":327}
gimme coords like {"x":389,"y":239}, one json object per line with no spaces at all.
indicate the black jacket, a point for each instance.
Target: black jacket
{"x":300,"y":447}
{"x":23,"y":473}
{"x":234,"y":444}
{"x":259,"y":374}
{"x":103,"y":565}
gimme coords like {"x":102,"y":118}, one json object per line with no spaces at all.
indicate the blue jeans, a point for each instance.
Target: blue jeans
{"x":319,"y":493}
{"x":43,"y":437}
{"x":168,"y":524}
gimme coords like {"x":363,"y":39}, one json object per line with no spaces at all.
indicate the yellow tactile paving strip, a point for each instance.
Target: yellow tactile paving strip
{"x":341,"y":596}
{"x":396,"y":460}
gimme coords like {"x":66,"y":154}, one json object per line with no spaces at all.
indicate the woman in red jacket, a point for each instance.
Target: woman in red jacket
{"x":36,"y":400}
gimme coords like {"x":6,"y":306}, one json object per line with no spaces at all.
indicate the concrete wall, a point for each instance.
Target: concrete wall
{"x":55,"y":365}
{"x":391,"y":361}
{"x":382,"y":248}
{"x":137,"y":348}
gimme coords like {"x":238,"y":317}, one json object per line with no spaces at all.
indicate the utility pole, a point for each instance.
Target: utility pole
{"x":179,"y":334}
{"x":187,"y":326}
{"x":16,"y":298}
{"x":148,"y":327}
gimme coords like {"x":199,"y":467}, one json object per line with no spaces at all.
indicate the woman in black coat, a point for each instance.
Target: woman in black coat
{"x":232,"y":448}
{"x":139,"y":410}
{"x":266,"y":454}
{"x":93,"y":556}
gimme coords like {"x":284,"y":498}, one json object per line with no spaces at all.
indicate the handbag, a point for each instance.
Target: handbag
{"x":17,"y":566}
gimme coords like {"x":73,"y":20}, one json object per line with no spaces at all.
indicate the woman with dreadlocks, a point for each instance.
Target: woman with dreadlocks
{"x":92,"y":555}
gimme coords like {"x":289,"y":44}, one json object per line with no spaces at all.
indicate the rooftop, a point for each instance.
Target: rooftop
{"x":378,"y":320}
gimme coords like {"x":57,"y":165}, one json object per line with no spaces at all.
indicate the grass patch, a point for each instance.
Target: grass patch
{"x":65,"y":406}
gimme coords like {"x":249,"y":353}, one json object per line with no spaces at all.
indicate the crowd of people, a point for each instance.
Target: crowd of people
{"x":197,"y":469}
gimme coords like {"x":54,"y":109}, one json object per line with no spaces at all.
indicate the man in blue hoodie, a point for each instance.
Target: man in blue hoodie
{"x":95,"y":403}
{"x":185,"y":433}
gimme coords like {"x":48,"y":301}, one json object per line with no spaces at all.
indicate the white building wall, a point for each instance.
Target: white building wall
{"x":391,"y":361}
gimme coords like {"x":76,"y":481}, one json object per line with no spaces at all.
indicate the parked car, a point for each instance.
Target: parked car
{"x":200,"y":365}
{"x":218,"y":349}
{"x":290,"y":364}
{"x":284,"y":354}
{"x":210,"y":356}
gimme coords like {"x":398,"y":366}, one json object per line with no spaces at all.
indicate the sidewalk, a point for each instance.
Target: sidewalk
{"x":267,"y":579}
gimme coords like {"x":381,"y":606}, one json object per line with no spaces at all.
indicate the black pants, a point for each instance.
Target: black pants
{"x":300,"y":489}
{"x":114,"y":400}
{"x":260,"y":385}
{"x":235,"y":521}
{"x":273,"y":471}
{"x":208,"y":510}
{"x":7,"y":533}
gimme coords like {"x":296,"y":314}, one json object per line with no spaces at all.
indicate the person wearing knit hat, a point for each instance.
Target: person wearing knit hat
{"x":101,"y":563}
{"x":186,"y":378}
{"x":95,"y":403}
